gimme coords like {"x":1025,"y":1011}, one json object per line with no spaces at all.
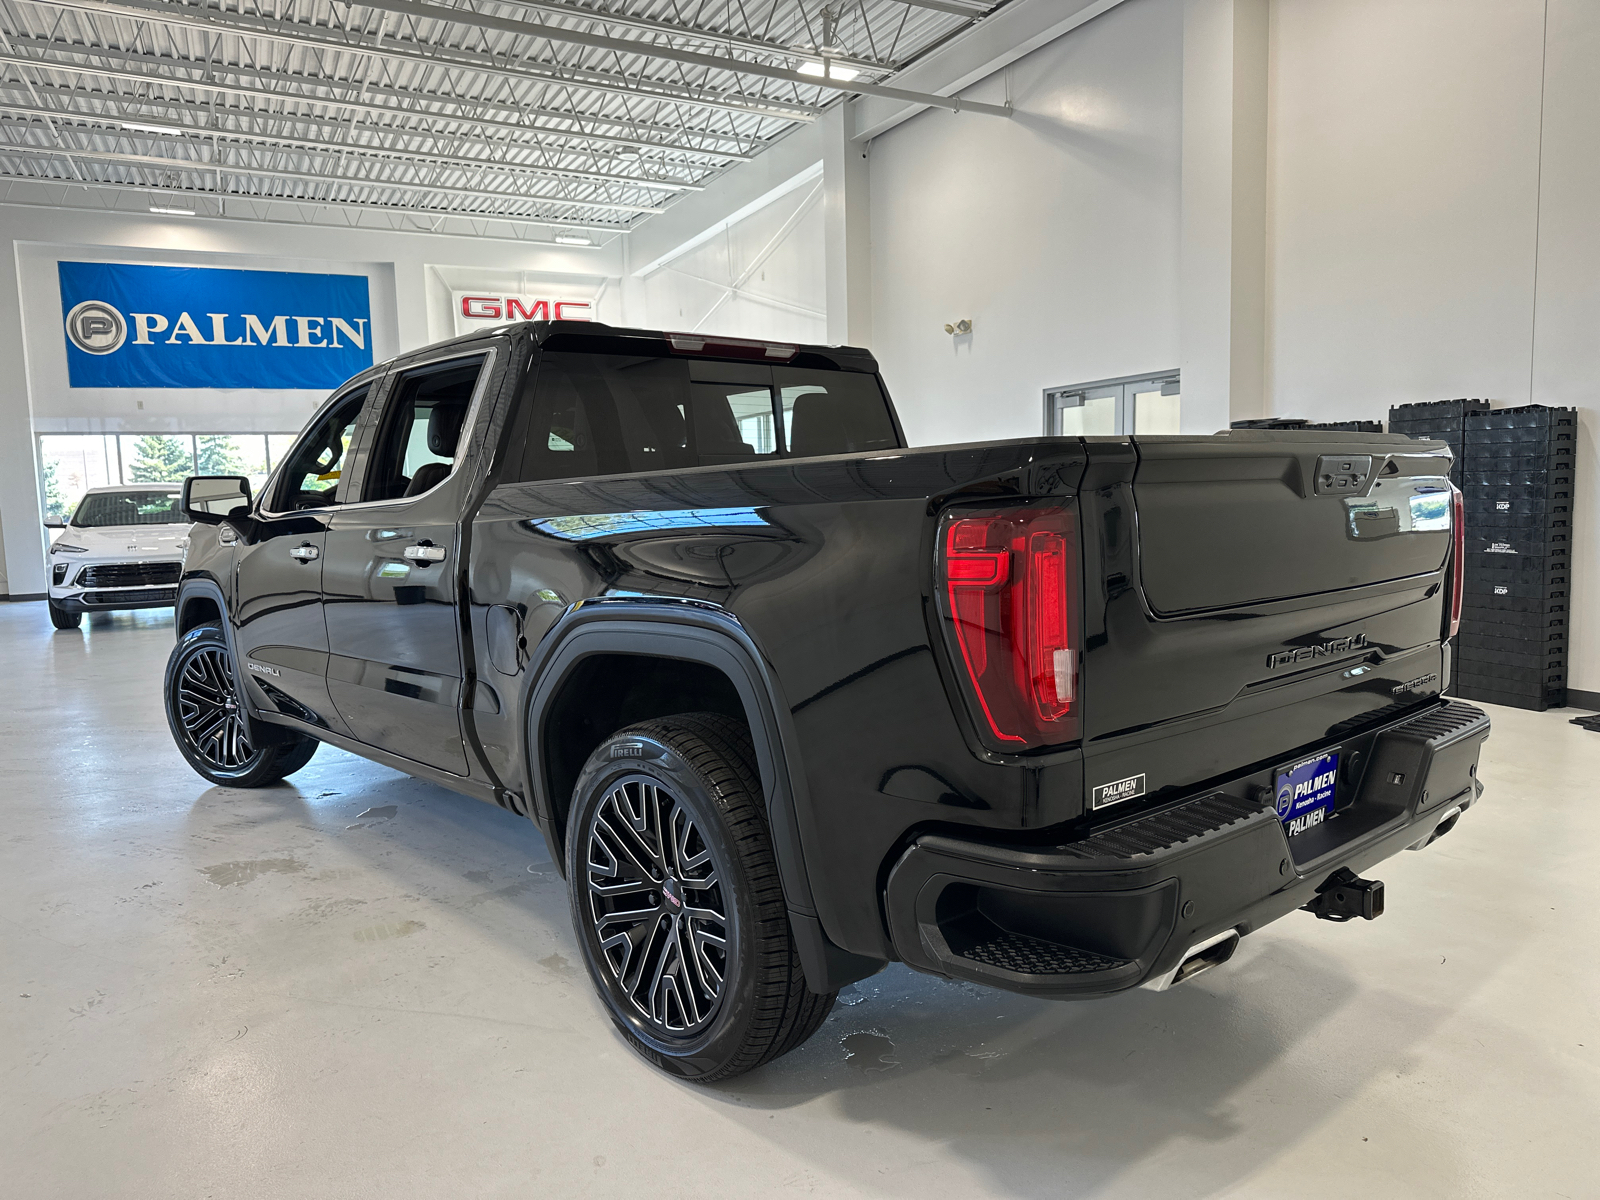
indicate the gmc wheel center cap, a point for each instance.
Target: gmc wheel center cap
{"x":672,"y":892}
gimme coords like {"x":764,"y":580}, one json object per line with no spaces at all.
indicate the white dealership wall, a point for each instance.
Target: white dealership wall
{"x":398,"y":265}
{"x":1056,"y":232}
{"x":1434,"y":191}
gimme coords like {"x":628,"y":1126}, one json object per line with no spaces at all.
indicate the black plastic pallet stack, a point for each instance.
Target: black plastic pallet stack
{"x":1439,"y":420}
{"x":1517,"y":478}
{"x":1302,"y":423}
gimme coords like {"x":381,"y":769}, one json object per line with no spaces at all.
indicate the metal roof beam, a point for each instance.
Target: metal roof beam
{"x":117,"y":127}
{"x":972,"y":11}
{"x":200,"y":167}
{"x":352,"y":205}
{"x":577,"y":12}
{"x":353,"y":87}
{"x":557,"y":33}
{"x":334,"y":102}
{"x":638,"y":87}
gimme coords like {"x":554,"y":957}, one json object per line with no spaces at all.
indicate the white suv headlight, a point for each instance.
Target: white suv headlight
{"x":67,"y":548}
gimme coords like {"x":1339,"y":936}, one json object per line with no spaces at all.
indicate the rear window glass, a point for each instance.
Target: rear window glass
{"x":106,"y":509}
{"x":612,"y":414}
{"x":832,"y":412}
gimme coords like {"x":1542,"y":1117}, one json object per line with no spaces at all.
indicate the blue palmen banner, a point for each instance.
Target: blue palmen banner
{"x":204,"y":327}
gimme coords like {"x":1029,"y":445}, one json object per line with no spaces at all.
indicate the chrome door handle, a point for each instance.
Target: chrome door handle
{"x":425,"y":553}
{"x":305,"y":553}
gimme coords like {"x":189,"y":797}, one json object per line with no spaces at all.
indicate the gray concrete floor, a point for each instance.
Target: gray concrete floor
{"x":356,"y":984}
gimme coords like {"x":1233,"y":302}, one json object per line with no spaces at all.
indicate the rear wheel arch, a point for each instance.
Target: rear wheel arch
{"x":716,"y":646}
{"x":718,"y":668}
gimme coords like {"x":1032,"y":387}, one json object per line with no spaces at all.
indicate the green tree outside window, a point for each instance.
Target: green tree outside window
{"x":56,"y":503}
{"x":160,"y":459}
{"x":218,"y":454}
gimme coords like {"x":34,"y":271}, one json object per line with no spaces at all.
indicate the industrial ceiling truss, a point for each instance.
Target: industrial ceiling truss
{"x":504,"y":118}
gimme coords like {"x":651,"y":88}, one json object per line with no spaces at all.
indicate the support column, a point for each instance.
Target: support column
{"x":1223,"y":269}
{"x":847,"y":231}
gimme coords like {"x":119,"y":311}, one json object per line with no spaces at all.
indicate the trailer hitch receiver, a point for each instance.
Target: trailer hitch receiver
{"x":1344,"y":896}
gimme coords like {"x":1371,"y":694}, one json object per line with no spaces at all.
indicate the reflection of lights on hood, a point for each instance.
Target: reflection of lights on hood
{"x":600,"y":525}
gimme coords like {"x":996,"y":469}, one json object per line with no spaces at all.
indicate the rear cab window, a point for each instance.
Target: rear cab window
{"x":612,"y":414}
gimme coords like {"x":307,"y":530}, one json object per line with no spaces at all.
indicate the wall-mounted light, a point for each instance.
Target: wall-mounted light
{"x":962,"y":326}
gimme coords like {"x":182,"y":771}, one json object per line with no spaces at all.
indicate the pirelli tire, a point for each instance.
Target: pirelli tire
{"x":676,"y":900}
{"x":207,"y":721}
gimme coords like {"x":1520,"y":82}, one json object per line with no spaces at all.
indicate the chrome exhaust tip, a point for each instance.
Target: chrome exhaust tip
{"x":1201,"y":957}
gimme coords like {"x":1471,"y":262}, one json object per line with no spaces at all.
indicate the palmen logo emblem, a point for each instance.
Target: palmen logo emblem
{"x":95,"y":327}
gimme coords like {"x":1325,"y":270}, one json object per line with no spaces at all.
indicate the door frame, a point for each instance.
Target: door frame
{"x":1124,"y":384}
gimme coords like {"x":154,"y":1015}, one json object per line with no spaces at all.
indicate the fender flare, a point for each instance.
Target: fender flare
{"x":261,"y":732}
{"x":715,"y":638}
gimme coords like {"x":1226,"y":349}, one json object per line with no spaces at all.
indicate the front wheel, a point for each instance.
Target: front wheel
{"x":63,"y":619}
{"x":204,"y":714}
{"x":677,"y":903}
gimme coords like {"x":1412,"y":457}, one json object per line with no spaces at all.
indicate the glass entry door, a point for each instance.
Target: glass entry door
{"x":1147,"y":404}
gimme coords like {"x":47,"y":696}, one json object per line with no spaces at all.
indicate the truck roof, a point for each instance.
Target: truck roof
{"x":601,"y":338}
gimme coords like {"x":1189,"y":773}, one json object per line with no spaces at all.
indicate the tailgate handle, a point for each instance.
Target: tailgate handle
{"x":1343,"y":474}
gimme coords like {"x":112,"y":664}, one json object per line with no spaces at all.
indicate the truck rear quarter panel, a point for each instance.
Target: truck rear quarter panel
{"x":826,"y":563}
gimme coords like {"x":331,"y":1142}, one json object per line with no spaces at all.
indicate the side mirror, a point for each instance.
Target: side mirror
{"x":212,"y":499}
{"x":56,"y":523}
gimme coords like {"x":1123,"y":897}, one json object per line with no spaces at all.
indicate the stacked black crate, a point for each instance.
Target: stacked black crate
{"x":1518,"y":480}
{"x":1438,"y":420}
{"x":1302,"y":423}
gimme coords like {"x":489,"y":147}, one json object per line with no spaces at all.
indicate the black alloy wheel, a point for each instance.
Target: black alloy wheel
{"x":208,"y":724}
{"x":208,"y":711}
{"x":676,"y":900}
{"x":656,"y":906}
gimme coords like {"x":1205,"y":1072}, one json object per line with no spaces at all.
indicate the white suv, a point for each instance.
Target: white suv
{"x":123,"y":548}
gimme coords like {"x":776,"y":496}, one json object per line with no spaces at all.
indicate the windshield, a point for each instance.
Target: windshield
{"x":101,"y":510}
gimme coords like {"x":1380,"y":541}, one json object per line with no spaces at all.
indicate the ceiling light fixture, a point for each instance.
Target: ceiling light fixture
{"x":171,"y":212}
{"x":573,"y":239}
{"x":835,"y":71}
{"x":137,"y":128}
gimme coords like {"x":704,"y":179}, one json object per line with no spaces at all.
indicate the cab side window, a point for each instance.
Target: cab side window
{"x":612,"y":414}
{"x":312,"y":472}
{"x":420,"y":435}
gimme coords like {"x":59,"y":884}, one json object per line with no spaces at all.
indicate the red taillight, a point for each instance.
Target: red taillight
{"x":1458,"y":558}
{"x":1010,"y":581}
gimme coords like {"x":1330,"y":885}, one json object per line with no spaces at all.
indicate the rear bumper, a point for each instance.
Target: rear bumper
{"x":1125,"y":905}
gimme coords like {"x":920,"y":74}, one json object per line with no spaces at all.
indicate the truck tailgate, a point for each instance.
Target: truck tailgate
{"x":1251,"y":595}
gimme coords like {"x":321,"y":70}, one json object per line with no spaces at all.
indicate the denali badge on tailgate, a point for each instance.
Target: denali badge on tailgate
{"x":1334,"y":648}
{"x":1122,"y":789}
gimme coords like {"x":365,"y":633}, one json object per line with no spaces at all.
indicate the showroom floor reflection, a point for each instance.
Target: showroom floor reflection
{"x":359,"y":984}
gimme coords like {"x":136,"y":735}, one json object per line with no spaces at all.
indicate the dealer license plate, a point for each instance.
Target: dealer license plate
{"x":1305,"y":792}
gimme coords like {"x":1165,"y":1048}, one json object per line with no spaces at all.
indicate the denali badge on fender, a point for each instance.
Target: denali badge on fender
{"x":1122,"y":789}
{"x":262,"y":669}
{"x":1325,"y":650}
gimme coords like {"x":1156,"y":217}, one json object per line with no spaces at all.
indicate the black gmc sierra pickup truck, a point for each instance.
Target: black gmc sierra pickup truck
{"x":790,"y":700}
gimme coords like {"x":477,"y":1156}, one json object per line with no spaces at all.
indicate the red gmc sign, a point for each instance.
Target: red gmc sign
{"x":523,"y":308}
